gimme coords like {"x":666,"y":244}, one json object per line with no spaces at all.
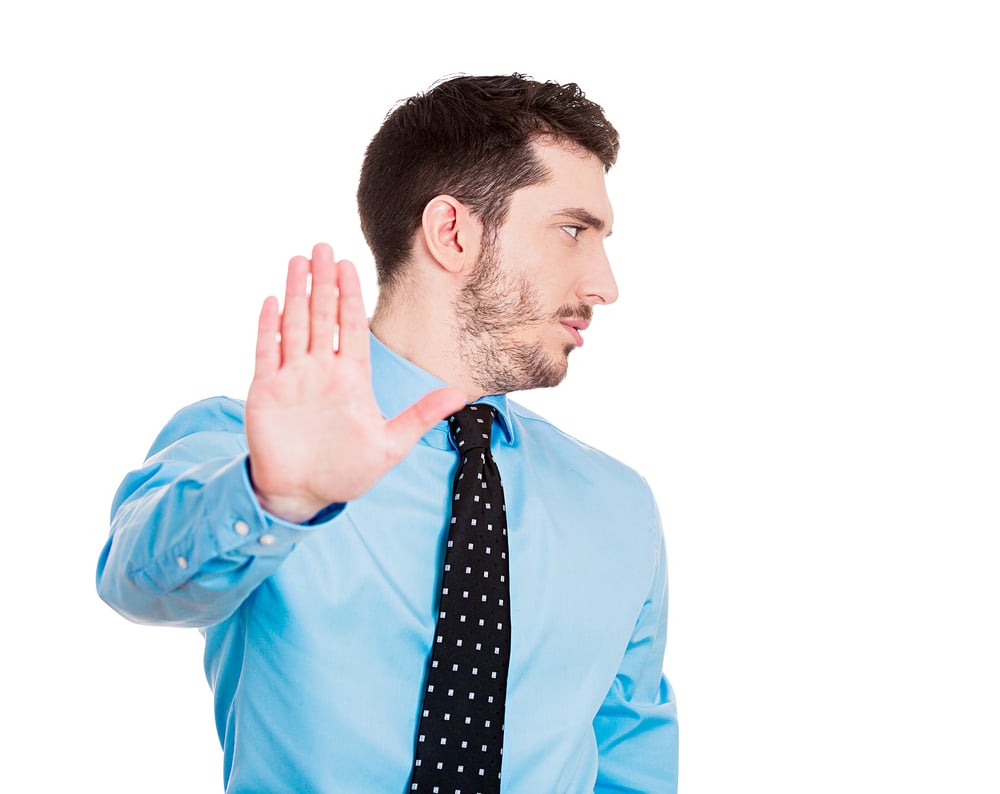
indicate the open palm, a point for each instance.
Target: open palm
{"x":315,"y":433}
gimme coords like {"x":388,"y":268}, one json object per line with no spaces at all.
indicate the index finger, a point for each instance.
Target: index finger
{"x":353,"y":335}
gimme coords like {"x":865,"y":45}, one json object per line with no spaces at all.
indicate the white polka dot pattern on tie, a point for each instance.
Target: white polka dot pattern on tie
{"x":460,"y":737}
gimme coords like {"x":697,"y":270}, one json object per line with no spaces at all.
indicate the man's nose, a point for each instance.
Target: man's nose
{"x":598,"y":284}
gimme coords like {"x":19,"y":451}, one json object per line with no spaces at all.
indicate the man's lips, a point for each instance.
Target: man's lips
{"x":574,"y":327}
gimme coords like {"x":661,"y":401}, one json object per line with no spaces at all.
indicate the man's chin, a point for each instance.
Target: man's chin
{"x":526,"y":367}
{"x":554,"y":371}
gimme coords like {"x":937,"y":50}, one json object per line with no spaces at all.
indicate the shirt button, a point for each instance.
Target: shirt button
{"x":242,"y":528}
{"x":182,"y":562}
{"x":266,"y":540}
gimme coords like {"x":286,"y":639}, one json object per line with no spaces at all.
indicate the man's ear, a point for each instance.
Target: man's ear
{"x":451,"y":234}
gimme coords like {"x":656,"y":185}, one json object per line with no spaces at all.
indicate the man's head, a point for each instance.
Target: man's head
{"x":470,"y":138}
{"x":484,"y":203}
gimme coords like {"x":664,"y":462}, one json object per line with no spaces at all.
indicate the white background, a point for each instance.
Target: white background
{"x":807,"y":247}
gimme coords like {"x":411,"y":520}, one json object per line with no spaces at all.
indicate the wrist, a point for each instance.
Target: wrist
{"x":293,"y":508}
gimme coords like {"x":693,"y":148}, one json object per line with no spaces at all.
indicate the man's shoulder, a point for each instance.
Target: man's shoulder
{"x":536,"y":433}
{"x":212,"y":414}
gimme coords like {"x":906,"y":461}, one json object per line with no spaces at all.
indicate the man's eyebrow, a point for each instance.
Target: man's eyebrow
{"x":584,"y":217}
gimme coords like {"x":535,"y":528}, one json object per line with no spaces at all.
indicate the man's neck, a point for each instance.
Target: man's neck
{"x":425,"y":338}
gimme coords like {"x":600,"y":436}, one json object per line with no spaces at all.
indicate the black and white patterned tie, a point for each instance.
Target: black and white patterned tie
{"x":460,"y":737}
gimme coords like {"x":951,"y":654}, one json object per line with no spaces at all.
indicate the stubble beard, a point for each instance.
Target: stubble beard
{"x":492,"y":308}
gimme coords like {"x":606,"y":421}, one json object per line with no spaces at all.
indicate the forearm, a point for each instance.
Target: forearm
{"x":637,"y":743}
{"x":189,"y":541}
{"x":187,"y":553}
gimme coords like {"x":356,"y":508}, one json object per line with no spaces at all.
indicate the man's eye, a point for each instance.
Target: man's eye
{"x":573,"y":231}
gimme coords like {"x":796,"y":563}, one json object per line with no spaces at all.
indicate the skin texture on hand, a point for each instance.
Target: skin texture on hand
{"x":313,"y":428}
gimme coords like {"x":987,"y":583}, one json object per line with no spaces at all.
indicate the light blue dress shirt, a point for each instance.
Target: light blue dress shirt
{"x":317,"y":636}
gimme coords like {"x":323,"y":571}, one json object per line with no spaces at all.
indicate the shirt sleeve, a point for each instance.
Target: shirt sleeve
{"x":636,"y":726}
{"x":189,"y":540}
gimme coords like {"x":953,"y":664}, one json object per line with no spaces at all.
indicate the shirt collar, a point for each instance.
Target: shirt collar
{"x":399,"y":383}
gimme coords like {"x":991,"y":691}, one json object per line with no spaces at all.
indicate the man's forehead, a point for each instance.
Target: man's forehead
{"x":560,"y":153}
{"x":575,"y":184}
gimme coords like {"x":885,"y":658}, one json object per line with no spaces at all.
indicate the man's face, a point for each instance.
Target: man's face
{"x":531,"y":294}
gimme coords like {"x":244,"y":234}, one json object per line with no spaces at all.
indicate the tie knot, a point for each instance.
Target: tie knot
{"x":471,"y":427}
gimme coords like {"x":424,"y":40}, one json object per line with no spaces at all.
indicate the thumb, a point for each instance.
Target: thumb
{"x":406,"y":429}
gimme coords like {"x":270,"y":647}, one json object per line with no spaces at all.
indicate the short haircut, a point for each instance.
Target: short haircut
{"x":470,"y":138}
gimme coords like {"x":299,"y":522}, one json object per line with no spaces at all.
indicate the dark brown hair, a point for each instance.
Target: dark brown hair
{"x":467,"y":137}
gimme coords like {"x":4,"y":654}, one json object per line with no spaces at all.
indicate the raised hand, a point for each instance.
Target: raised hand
{"x":314,"y":430}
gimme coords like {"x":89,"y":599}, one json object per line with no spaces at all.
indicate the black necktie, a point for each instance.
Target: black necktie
{"x":460,"y":737}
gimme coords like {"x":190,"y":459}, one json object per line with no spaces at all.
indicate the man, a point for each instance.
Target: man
{"x":316,"y":535}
